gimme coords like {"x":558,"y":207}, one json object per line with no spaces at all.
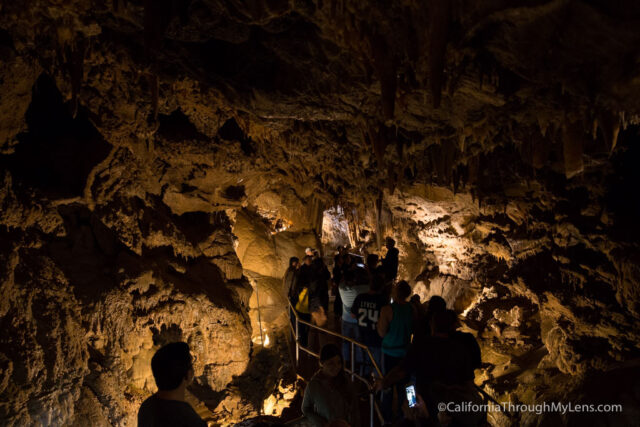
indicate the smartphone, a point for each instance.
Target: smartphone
{"x":411,"y":396}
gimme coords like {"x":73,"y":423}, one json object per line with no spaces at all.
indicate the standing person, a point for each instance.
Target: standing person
{"x":329,"y":396}
{"x":390,"y":261}
{"x":290,"y":276}
{"x":289,"y":284}
{"x":301,"y":294}
{"x":435,"y":304}
{"x":366,"y":310}
{"x":340,"y":265}
{"x":318,"y":301}
{"x":319,"y":291}
{"x":172,"y":370}
{"x":443,"y":364}
{"x":395,"y":327}
{"x":353,"y":283}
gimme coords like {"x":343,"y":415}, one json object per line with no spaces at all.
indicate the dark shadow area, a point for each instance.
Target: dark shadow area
{"x":622,"y":187}
{"x":234,"y":192}
{"x":230,"y":131}
{"x":177,"y":127}
{"x":88,"y":253}
{"x":58,"y":151}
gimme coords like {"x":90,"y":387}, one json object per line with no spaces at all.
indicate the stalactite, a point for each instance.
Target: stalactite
{"x":572,"y":148}
{"x":74,"y":54}
{"x":464,"y":174}
{"x":610,"y":126}
{"x":399,"y":147}
{"x":473,"y":170}
{"x":384,"y":64}
{"x":449,"y":151}
{"x":439,"y":20}
{"x":379,"y":143}
{"x":392,"y":179}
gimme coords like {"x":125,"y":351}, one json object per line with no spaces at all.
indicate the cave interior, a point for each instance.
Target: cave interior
{"x":161,"y":161}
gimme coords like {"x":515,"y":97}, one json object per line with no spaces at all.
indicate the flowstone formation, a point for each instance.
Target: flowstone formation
{"x":161,"y":160}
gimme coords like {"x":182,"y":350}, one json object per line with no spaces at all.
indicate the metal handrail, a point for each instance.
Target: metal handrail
{"x":296,"y":333}
{"x":373,"y":404}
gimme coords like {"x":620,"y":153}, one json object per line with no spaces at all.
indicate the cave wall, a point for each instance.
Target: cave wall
{"x":497,"y":142}
{"x":544,"y":274}
{"x":84,"y":310}
{"x":98,"y":272}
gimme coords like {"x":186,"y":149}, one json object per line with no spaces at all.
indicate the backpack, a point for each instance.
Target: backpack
{"x":302,"y":306}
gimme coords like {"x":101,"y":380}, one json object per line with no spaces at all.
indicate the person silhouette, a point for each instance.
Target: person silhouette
{"x":330,"y":398}
{"x":172,"y":368}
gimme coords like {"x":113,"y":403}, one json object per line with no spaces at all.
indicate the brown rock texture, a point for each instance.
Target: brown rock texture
{"x":160,"y":161}
{"x":85,"y":306}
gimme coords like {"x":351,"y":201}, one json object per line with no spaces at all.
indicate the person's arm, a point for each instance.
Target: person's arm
{"x":308,"y":408}
{"x":386,"y":315}
{"x":395,"y":375}
{"x":354,"y":307}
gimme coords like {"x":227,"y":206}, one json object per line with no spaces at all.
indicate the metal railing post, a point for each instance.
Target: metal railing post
{"x":297,"y":342}
{"x":353,"y":360}
{"x":295,"y":329}
{"x":371,"y":409}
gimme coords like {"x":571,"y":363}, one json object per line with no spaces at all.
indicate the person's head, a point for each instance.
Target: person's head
{"x":293,"y":262}
{"x":436,"y":303}
{"x":390,"y":243}
{"x":317,"y":263}
{"x":316,"y":254}
{"x":403,"y":291}
{"x":342,"y":250}
{"x":372,"y":261}
{"x":308,"y":251}
{"x":308,"y":259}
{"x":442,"y":322}
{"x":172,"y":366}
{"x":415,"y":299}
{"x":331,"y":360}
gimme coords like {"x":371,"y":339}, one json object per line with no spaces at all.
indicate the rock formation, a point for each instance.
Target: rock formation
{"x":160,"y":161}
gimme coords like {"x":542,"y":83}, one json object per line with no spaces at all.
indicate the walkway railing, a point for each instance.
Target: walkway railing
{"x":374,"y":409}
{"x":373,"y":406}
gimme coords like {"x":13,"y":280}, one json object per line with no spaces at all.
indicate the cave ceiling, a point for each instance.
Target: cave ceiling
{"x":221,"y":101}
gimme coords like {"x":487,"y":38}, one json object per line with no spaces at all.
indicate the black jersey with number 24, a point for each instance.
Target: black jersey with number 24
{"x":366,"y":308}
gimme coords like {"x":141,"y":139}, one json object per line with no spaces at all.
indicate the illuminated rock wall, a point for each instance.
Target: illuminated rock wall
{"x":88,"y":295}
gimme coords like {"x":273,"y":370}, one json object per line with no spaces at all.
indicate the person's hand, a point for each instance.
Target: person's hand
{"x":378,"y":384}
{"x":418,"y":411}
